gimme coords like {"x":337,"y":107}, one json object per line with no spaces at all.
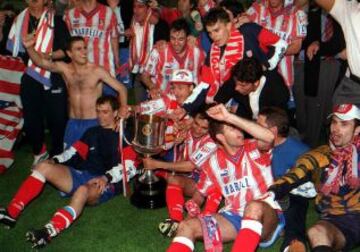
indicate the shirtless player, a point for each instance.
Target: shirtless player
{"x":84,"y":84}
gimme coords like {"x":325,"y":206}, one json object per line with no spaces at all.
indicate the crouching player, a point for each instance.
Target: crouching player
{"x":86,"y":172}
{"x":241,"y":171}
{"x":198,"y":146}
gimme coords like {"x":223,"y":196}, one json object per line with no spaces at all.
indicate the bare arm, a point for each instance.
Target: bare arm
{"x":115,"y":48}
{"x":118,"y":86}
{"x":326,"y":4}
{"x":146,"y":79}
{"x":38,"y":58}
{"x":180,"y":166}
{"x":220,"y":113}
{"x":294,"y":47}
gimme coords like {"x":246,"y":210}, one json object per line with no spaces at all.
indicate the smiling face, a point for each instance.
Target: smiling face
{"x":178,"y":41}
{"x":181,"y":91}
{"x":219,"y":32}
{"x":341,"y":131}
{"x":78,"y":52}
{"x":200,"y":126}
{"x":140,"y":11}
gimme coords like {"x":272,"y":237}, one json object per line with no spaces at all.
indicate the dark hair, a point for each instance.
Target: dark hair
{"x":108,"y":99}
{"x":215,"y":127}
{"x":215,"y":15}
{"x":247,"y":70}
{"x":72,"y":40}
{"x":201,"y":112}
{"x":277,"y":117}
{"x":180,"y":25}
{"x":234,"y":6}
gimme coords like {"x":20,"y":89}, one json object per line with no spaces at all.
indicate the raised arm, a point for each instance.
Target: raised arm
{"x":180,"y":166}
{"x":38,"y":58}
{"x":220,"y":113}
{"x":118,"y":86}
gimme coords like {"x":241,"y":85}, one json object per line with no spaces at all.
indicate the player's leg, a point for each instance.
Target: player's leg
{"x":325,"y":236}
{"x":46,"y":171}
{"x":191,"y":229}
{"x":259,"y":223}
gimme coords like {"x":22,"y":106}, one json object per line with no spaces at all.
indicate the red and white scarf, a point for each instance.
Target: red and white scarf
{"x":44,"y":36}
{"x":221,"y":64}
{"x":139,"y":58}
{"x":342,"y":158}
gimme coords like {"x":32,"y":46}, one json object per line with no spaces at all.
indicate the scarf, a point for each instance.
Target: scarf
{"x":44,"y":36}
{"x":221,"y":64}
{"x":139,"y":58}
{"x":344,"y":166}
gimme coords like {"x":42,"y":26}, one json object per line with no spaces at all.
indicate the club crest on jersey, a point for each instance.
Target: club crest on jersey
{"x":254,"y":154}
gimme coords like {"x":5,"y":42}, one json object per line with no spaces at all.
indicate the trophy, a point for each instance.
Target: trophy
{"x":149,"y":139}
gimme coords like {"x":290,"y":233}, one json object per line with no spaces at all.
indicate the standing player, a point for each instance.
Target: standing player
{"x":241,"y":170}
{"x":84,"y":84}
{"x":289,"y":23}
{"x":96,"y":23}
{"x":176,"y":55}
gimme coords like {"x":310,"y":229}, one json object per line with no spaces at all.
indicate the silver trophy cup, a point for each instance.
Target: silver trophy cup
{"x":149,"y":139}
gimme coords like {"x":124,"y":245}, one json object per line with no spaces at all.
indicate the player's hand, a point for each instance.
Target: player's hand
{"x":240,"y":20}
{"x":342,"y":54}
{"x":28,"y":40}
{"x":153,"y":4}
{"x":312,"y":50}
{"x":149,"y":163}
{"x":129,"y":33}
{"x":218,"y":112}
{"x":99,"y":183}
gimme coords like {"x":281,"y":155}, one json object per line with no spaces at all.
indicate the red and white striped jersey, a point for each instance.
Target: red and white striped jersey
{"x":241,"y":178}
{"x":97,"y":27}
{"x":289,"y":24}
{"x":161,"y":64}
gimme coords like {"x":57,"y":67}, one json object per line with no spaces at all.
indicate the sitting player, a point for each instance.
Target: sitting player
{"x":186,"y":171}
{"x":240,"y":169}
{"x":87,"y":171}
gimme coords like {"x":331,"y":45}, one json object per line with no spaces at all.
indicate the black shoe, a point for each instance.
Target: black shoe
{"x":6,"y":219}
{"x":40,"y":238}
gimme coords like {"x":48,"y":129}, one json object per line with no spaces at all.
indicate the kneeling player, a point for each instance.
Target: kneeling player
{"x":198,"y":146}
{"x":86,"y":171}
{"x":240,"y":169}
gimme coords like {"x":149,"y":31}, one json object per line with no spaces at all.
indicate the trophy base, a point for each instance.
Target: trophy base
{"x":149,"y":195}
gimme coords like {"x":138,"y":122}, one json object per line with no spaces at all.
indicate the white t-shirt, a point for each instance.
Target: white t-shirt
{"x":347,"y":13}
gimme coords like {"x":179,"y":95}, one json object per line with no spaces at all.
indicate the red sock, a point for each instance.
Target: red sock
{"x":212,"y":203}
{"x":29,"y":189}
{"x":249,"y":236}
{"x":175,"y":202}
{"x":181,"y":244}
{"x":63,"y":218}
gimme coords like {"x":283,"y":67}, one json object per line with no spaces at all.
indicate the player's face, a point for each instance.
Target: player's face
{"x":181,"y":91}
{"x":178,"y":41}
{"x":184,"y":6}
{"x":78,"y":52}
{"x":263,"y":146}
{"x":200,"y":127}
{"x":140,"y":11}
{"x":36,"y":3}
{"x":106,"y":116}
{"x":244,"y":88}
{"x":233,"y":137}
{"x":219,"y":32}
{"x":341,"y":132}
{"x":276,"y":3}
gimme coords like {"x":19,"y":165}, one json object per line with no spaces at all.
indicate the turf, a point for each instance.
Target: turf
{"x":113,"y":226}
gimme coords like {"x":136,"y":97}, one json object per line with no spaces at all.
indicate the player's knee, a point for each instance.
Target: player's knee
{"x":317,"y":231}
{"x":190,"y":228}
{"x":255,"y":210}
{"x":44,"y":167}
{"x":82,"y":191}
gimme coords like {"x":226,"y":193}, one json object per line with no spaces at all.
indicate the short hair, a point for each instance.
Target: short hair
{"x":234,"y":6}
{"x":277,"y":117}
{"x":108,"y":99}
{"x":201,"y":112}
{"x":215,"y":15}
{"x":72,"y":40}
{"x":180,"y":25}
{"x":247,"y":70}
{"x":215,"y":127}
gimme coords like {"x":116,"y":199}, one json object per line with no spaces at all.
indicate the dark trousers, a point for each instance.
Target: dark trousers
{"x":40,"y":106}
{"x":295,"y":217}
